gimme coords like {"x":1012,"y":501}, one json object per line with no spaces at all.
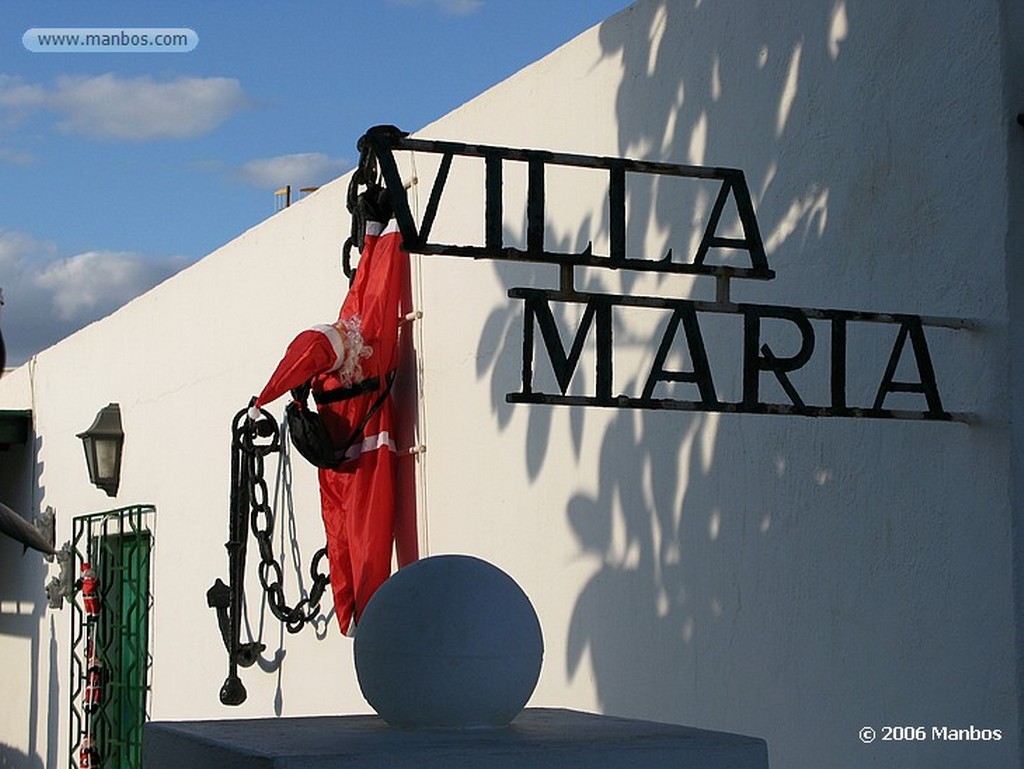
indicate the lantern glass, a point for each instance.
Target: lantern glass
{"x":106,"y":459}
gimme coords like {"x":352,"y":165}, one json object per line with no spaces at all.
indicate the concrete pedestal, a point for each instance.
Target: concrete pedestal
{"x":538,"y":737}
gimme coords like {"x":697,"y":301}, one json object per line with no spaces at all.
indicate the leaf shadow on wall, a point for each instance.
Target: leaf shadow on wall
{"x":674,"y":529}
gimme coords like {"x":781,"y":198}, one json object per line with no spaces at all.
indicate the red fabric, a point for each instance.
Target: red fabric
{"x":358,"y":509}
{"x":358,"y":500}
{"x":307,"y":355}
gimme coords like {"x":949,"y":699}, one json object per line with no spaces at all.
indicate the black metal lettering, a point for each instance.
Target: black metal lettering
{"x":910,"y":326}
{"x":734,"y":183}
{"x":758,"y":357}
{"x":535,"y":207}
{"x":492,"y":203}
{"x":839,"y":363}
{"x":435,"y":196}
{"x":393,"y":181}
{"x":701,"y":373}
{"x":538,"y":309}
{"x":617,"y":212}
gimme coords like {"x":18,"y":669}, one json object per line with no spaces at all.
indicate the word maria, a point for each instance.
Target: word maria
{"x":684,"y":332}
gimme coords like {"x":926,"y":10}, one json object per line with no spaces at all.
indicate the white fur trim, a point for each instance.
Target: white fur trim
{"x":380,"y":228}
{"x":350,"y":370}
{"x":337,"y":344}
{"x":371,"y":443}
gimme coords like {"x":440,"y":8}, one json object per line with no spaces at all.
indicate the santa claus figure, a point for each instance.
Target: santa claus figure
{"x":93,"y":681}
{"x":349,"y":365}
{"x":88,"y":756}
{"x":90,"y":587}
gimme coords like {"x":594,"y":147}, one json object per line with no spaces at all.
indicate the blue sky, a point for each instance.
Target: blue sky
{"x":120,"y":169}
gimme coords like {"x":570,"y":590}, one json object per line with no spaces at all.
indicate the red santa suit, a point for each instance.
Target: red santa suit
{"x":90,"y":587}
{"x":358,"y":497}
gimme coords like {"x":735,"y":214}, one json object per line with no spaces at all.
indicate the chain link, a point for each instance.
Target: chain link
{"x":261,"y":520}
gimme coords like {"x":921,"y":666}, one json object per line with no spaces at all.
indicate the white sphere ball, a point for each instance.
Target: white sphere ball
{"x":449,"y":641}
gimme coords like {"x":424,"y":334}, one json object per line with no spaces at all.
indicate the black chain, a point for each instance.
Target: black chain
{"x":366,"y":174}
{"x":261,"y":518}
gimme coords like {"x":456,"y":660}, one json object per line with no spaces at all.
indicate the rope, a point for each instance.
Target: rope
{"x":367,"y":175}
{"x":422,"y":518}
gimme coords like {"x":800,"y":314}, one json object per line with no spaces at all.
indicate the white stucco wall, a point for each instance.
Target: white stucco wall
{"x":790,"y":578}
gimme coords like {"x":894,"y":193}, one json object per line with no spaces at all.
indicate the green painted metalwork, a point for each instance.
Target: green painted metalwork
{"x":111,"y":650}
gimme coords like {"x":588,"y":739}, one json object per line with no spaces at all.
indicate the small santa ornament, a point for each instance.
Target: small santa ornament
{"x":93,"y":681}
{"x":90,"y":587}
{"x":88,"y":756}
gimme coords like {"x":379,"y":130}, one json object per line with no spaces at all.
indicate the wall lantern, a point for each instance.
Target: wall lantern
{"x":103,"y":442}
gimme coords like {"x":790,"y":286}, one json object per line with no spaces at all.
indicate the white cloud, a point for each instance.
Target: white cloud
{"x":138,"y":109}
{"x":459,"y":7}
{"x":300,"y":169}
{"x":17,"y":246}
{"x":452,"y":7}
{"x":108,"y":106}
{"x":15,"y":92}
{"x":48,"y":297}
{"x":18,"y":100}
{"x":83,"y":284}
{"x":15,"y":157}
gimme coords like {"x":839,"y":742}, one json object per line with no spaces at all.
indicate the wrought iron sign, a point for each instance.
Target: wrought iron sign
{"x":907,"y":378}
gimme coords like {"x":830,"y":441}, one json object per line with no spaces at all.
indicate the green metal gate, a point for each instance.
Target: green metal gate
{"x":110,"y":638}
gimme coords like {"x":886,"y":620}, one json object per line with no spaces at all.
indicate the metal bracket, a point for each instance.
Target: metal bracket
{"x":47,"y":526}
{"x":63,"y":585}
